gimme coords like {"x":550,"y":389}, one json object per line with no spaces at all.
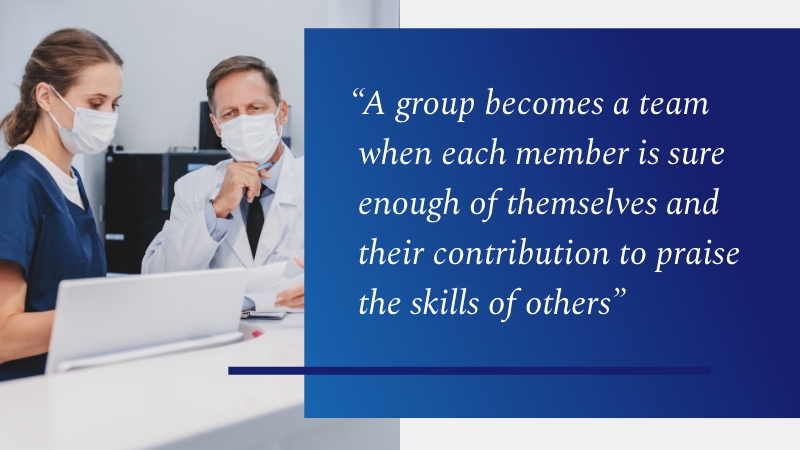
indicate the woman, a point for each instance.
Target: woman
{"x":68,"y":100}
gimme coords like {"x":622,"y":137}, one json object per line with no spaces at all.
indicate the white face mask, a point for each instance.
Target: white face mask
{"x":91,"y":133}
{"x":251,"y":138}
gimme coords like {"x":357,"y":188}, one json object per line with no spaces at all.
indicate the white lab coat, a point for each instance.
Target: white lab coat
{"x":185,"y":243}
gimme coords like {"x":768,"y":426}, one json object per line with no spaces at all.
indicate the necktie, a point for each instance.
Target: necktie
{"x":255,"y":221}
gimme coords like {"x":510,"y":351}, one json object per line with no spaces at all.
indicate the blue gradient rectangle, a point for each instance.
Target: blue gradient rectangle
{"x":738,"y":323}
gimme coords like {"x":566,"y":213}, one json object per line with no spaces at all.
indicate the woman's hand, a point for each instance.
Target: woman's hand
{"x":294,"y":297}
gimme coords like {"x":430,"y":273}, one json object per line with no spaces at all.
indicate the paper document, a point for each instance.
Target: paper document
{"x":292,"y":268}
{"x":265,"y":301}
{"x":266,"y":282}
{"x":263,"y":278}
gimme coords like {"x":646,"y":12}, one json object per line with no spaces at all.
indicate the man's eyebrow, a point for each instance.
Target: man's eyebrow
{"x":258,"y":102}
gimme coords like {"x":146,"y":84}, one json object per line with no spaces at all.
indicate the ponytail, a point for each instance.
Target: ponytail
{"x":18,"y":124}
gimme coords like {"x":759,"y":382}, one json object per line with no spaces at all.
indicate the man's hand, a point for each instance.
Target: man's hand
{"x":240,"y":179}
{"x":295,"y":296}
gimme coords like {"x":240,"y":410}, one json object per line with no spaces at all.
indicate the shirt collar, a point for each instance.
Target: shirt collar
{"x":51,"y":167}
{"x":275,"y":172}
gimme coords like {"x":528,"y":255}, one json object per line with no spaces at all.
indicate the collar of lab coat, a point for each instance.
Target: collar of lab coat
{"x":281,"y":211}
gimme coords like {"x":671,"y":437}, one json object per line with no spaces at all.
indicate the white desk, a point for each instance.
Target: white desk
{"x":184,"y":400}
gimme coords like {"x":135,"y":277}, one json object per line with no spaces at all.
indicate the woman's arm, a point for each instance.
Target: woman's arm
{"x":21,"y":334}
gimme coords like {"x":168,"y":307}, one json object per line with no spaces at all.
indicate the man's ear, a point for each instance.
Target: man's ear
{"x":284,"y":111}
{"x":43,"y":96}
{"x":214,"y":122}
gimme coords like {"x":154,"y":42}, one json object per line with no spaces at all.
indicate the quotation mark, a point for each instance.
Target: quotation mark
{"x":619,"y":292}
{"x":358,"y":92}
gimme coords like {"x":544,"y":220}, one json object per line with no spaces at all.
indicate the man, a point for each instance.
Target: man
{"x":231,"y":215}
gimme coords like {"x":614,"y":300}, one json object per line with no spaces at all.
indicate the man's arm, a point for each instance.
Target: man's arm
{"x":185,"y":242}
{"x":192,"y":234}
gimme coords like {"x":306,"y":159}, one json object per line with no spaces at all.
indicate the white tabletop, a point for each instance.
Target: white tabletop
{"x":163,"y":400}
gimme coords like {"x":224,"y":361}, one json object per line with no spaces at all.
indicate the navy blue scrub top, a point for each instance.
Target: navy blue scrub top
{"x":49,"y":236}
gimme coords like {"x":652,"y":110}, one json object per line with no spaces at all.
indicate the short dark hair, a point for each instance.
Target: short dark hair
{"x":241,"y":64}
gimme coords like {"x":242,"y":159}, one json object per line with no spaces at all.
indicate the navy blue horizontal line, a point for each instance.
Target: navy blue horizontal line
{"x":569,"y":370}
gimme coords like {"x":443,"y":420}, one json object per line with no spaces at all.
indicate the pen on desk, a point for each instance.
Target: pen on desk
{"x":258,"y":169}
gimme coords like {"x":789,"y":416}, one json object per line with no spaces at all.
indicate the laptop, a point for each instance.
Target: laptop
{"x":106,"y":320}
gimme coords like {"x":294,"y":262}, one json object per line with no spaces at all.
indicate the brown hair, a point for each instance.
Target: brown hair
{"x":58,"y":60}
{"x":241,"y":64}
